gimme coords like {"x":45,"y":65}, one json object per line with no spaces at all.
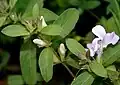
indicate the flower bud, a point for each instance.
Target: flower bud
{"x":39,"y":42}
{"x":62,"y":49}
{"x":43,"y":22}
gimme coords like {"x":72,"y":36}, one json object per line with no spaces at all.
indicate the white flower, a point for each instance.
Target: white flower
{"x":62,"y":49}
{"x":39,"y":42}
{"x":103,"y":40}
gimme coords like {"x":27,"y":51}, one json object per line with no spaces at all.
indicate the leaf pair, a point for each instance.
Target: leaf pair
{"x":64,"y":23}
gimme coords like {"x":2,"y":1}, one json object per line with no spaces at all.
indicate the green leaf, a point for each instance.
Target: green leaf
{"x":75,"y":47}
{"x":15,"y":30}
{"x":51,"y":30}
{"x":4,"y":58}
{"x":67,"y":20}
{"x":72,"y":62}
{"x":84,"y":78}
{"x":111,"y":54}
{"x":113,"y":6}
{"x":85,"y":4}
{"x":91,"y":4}
{"x":12,"y":3}
{"x":15,"y":80}
{"x":21,"y":5}
{"x":48,"y":15}
{"x":98,"y":69}
{"x":111,"y":67}
{"x":110,"y":25}
{"x":46,"y":63}
{"x":30,"y":7}
{"x":39,"y":77}
{"x":36,"y":10}
{"x":113,"y":74}
{"x":116,"y":82}
{"x":2,"y":20}
{"x":25,"y":6}
{"x":28,"y":62}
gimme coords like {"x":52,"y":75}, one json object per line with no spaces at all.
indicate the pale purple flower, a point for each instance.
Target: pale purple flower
{"x":94,"y":46}
{"x":103,"y":40}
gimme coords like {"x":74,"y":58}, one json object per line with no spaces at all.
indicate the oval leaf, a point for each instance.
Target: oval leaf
{"x":28,"y":63}
{"x":48,"y":15}
{"x":36,"y":10}
{"x":84,"y":78}
{"x":91,"y":4}
{"x":111,"y":54}
{"x":98,"y":69}
{"x":75,"y":47}
{"x":15,"y":30}
{"x":67,"y":21}
{"x":51,"y":30}
{"x":46,"y":63}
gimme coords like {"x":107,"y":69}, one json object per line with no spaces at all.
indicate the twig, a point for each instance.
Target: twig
{"x":69,"y":70}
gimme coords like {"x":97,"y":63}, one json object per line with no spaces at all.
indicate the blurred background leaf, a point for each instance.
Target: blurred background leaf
{"x":15,"y":80}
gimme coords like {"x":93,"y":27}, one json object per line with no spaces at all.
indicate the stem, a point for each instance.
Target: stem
{"x":77,"y":72}
{"x":94,"y":15}
{"x":69,"y":70}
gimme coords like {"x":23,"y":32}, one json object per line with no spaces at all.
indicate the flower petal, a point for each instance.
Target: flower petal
{"x":92,"y":52}
{"x":115,"y":39}
{"x":99,"y":31}
{"x":89,"y":46}
{"x":110,"y":38}
{"x":43,"y":22}
{"x":107,"y":39}
{"x":96,"y":44}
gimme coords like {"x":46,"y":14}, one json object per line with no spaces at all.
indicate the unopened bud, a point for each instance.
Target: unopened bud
{"x":62,"y":49}
{"x":43,"y":22}
{"x":39,"y":42}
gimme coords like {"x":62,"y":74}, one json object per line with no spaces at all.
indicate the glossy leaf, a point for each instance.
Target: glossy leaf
{"x":52,"y":30}
{"x":15,"y":30}
{"x":46,"y":63}
{"x":67,"y":20}
{"x":28,"y":62}
{"x":84,"y":78}
{"x":75,"y":47}
{"x":15,"y":80}
{"x":111,"y":54}
{"x":98,"y":69}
